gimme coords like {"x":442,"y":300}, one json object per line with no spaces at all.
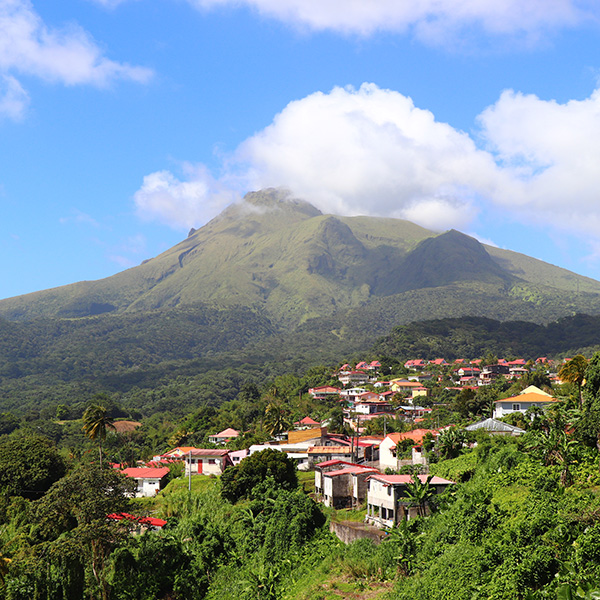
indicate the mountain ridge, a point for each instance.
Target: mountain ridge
{"x":276,"y":253}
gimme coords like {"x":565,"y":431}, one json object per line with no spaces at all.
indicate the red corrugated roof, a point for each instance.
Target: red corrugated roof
{"x":146,"y":472}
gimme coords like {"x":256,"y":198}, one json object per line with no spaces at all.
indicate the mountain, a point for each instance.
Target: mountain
{"x":281,"y":256}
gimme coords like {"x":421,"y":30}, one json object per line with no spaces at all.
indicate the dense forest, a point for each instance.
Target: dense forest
{"x":176,"y":360}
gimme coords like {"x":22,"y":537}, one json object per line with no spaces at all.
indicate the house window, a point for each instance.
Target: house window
{"x":516,"y":407}
{"x":211,"y":461}
{"x":389,"y":490}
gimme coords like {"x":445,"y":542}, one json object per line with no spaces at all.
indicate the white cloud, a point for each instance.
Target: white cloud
{"x":550,"y":154}
{"x":371,"y":151}
{"x":431,"y":19}
{"x":68,"y":56}
{"x":182,"y":204}
{"x":13,"y":98}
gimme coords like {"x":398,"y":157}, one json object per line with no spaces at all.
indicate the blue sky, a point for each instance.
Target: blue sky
{"x":125,"y":123}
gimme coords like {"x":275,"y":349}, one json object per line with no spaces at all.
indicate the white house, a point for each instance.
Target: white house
{"x":149,"y":479}
{"x":528,"y":398}
{"x":387,"y":501}
{"x":387,"y":448}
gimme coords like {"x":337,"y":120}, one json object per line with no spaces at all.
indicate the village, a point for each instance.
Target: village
{"x":387,"y":475}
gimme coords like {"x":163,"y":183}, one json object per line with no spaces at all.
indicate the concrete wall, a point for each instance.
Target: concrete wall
{"x":350,"y":532}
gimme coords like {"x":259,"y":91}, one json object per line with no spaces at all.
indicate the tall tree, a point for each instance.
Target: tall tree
{"x":573,"y":371}
{"x":96,"y":422}
{"x":276,"y":418}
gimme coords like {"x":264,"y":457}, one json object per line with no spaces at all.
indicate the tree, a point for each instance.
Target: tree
{"x":29,"y":465}
{"x":276,"y":418}
{"x":96,"y":421}
{"x":74,"y":538}
{"x":573,"y":371}
{"x":450,"y":442}
{"x":419,"y":493}
{"x":237,"y":482}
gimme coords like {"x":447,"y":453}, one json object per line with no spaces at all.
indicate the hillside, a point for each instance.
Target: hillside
{"x":280,"y":255}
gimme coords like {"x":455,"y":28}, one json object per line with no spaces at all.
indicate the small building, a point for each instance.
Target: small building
{"x":205,"y":461}
{"x":387,"y":448}
{"x":346,"y":487}
{"x":387,"y":500}
{"x":318,"y":454}
{"x":353,"y":377}
{"x":149,"y":479}
{"x":528,"y":398}
{"x":306,"y":423}
{"x":324,"y":392}
{"x":224,"y":436}
{"x":491,"y":372}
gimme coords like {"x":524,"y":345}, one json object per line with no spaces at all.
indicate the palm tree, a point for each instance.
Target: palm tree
{"x":419,"y":493}
{"x":95,"y":423}
{"x":276,"y":419}
{"x":573,"y":371}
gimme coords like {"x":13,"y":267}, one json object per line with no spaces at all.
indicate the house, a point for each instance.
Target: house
{"x":176,"y":454}
{"x":438,"y":362}
{"x":346,"y":487}
{"x":372,"y":406}
{"x":318,"y":454}
{"x":387,"y":448}
{"x":326,"y":466}
{"x":528,"y":398}
{"x":387,"y":499}
{"x":223,"y":436}
{"x":324,"y":392}
{"x":416,"y":363}
{"x":495,"y":427}
{"x":404,"y":386}
{"x":352,"y":394}
{"x":238,"y":456}
{"x":353,"y":377}
{"x":149,"y":480}
{"x":205,"y":461}
{"x":491,"y":372}
{"x":374,"y":365}
{"x":306,"y":423}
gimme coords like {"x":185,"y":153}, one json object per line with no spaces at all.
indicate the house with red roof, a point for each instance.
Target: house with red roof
{"x":353,"y":377}
{"x":324,"y":392}
{"x":415,"y":363}
{"x":207,"y":461}
{"x":306,"y":423}
{"x":149,"y":480}
{"x":387,"y":499}
{"x":223,"y":436}
{"x":346,"y":487}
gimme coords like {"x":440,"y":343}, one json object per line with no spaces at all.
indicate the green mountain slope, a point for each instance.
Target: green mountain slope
{"x":280,"y":255}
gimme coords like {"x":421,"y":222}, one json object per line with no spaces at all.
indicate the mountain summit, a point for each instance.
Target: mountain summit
{"x":275,"y":253}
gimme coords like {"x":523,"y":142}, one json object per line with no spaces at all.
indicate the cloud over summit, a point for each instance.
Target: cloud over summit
{"x":371,"y":151}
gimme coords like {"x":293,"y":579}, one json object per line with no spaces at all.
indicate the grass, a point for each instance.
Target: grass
{"x":306,"y":480}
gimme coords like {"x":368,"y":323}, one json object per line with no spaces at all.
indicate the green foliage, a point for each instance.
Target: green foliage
{"x":29,"y":465}
{"x":239,"y":481}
